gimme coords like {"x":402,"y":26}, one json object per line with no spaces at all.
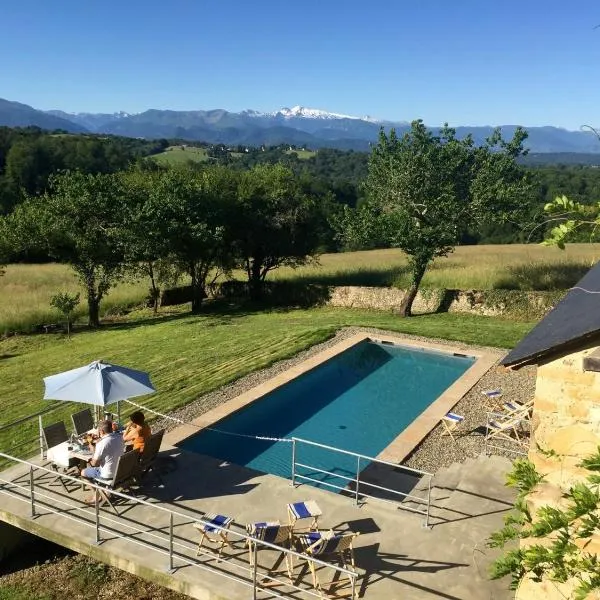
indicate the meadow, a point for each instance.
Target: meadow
{"x":176,"y":155}
{"x":25,"y":290}
{"x":188,"y":356}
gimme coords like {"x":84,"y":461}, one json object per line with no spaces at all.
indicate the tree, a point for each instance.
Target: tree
{"x":78,"y":221}
{"x":195,"y":208}
{"x":65,"y":303}
{"x":276,"y":223}
{"x":572,"y":222}
{"x":432,"y":188}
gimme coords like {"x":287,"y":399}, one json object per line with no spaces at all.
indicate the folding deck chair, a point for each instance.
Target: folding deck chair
{"x":214,"y":530}
{"x":272,"y":532}
{"x":450,"y":422}
{"x":518,"y":408}
{"x":83,"y":421}
{"x":301,"y":511}
{"x":326,"y":544}
{"x":504,"y":427}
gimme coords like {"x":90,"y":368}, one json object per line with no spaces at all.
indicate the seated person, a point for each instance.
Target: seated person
{"x":107,"y":451}
{"x":137,"y":431}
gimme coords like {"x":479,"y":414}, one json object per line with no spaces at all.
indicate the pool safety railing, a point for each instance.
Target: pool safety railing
{"x":353,"y":484}
{"x":166,"y":539}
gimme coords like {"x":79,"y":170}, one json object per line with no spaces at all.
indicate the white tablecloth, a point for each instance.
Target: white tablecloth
{"x":61,"y":455}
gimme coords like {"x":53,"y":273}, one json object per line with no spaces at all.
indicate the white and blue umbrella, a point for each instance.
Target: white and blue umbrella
{"x":98,"y":383}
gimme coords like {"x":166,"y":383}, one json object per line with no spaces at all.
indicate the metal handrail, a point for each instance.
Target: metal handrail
{"x":172,"y":513}
{"x":356,"y":480}
{"x":28,"y":417}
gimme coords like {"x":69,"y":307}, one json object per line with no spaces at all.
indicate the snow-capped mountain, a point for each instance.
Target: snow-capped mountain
{"x":316,"y":113}
{"x":310,"y":127}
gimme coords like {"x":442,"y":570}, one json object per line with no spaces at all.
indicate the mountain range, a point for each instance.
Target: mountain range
{"x":312,"y":128}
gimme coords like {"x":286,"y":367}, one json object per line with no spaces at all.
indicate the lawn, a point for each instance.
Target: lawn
{"x":25,"y":290}
{"x":188,"y":356}
{"x":176,"y":155}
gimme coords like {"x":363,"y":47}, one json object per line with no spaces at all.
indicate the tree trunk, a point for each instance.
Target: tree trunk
{"x":154,"y":289}
{"x":198,"y":293}
{"x":418,"y":271}
{"x":93,"y":309}
{"x":255,"y":282}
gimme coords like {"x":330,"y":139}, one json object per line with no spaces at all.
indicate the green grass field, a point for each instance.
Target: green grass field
{"x":302,"y":154}
{"x":188,"y":356}
{"x":25,"y":290}
{"x":176,"y":155}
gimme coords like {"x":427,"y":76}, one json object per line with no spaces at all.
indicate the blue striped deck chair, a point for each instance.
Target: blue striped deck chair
{"x":272,"y":532}
{"x":506,"y":428}
{"x":214,"y":530}
{"x":299,"y":511}
{"x":450,"y":422}
{"x":492,"y":397}
{"x":518,"y":408}
{"x":326,"y":544}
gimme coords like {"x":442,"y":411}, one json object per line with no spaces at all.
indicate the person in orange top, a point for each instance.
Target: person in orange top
{"x":137,"y":431}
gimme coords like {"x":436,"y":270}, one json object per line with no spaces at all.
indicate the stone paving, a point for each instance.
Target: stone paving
{"x":395,"y":556}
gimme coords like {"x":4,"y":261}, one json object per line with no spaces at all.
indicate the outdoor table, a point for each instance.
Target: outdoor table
{"x":66,"y":454}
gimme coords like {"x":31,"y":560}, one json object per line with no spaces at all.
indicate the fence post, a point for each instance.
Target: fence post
{"x":41,"y":434}
{"x":357,"y":477}
{"x":97,"y":511}
{"x":31,"y":493}
{"x":426,"y":524}
{"x":293,"y":462}
{"x":254,"y":568}
{"x":171,"y":568}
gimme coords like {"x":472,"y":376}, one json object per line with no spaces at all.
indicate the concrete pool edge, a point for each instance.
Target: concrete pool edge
{"x":409,"y":439}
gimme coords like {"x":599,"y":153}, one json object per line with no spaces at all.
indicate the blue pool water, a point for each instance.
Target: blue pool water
{"x":360,"y":400}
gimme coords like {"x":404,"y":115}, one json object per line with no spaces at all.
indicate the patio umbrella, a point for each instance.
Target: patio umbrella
{"x":98,"y":383}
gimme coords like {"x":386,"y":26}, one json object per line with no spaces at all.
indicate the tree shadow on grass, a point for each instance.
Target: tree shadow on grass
{"x":543,"y":276}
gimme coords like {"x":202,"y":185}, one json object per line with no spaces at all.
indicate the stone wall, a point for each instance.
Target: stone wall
{"x":565,"y":429}
{"x":531,"y":305}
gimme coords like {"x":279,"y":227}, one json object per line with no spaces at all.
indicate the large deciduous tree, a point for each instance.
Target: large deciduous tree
{"x":195,"y":209}
{"x":276,"y":223}
{"x":78,"y":221}
{"x":430,"y":188}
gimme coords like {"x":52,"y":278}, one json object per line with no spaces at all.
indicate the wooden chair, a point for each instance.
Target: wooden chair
{"x":148,"y":457}
{"x":303,"y":511}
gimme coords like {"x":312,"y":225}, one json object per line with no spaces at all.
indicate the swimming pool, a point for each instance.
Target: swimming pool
{"x":359,"y":400}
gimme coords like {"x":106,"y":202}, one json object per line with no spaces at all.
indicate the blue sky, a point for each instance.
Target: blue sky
{"x":470,"y":62}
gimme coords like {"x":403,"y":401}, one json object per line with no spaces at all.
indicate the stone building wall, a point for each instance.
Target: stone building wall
{"x":566,"y":422}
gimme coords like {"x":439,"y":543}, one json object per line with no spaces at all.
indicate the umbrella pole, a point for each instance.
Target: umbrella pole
{"x":119,"y":412}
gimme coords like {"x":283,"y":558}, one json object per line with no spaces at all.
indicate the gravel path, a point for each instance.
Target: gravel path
{"x":435,"y":451}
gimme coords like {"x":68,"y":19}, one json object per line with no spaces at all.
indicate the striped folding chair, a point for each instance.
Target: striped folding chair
{"x":517,"y":408}
{"x":450,"y":422}
{"x":214,"y":530}
{"x":301,"y":511}
{"x":272,"y":532}
{"x":492,"y":397}
{"x":324,"y":545}
{"x":505,"y":427}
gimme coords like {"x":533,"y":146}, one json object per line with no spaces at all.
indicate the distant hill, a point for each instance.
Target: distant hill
{"x":15,"y":114}
{"x":300,"y":126}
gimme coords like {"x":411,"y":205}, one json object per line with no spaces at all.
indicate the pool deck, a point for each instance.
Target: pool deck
{"x":408,"y":439}
{"x":395,"y":556}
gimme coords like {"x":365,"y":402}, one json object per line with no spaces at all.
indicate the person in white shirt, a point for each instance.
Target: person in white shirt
{"x":106,"y":454}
